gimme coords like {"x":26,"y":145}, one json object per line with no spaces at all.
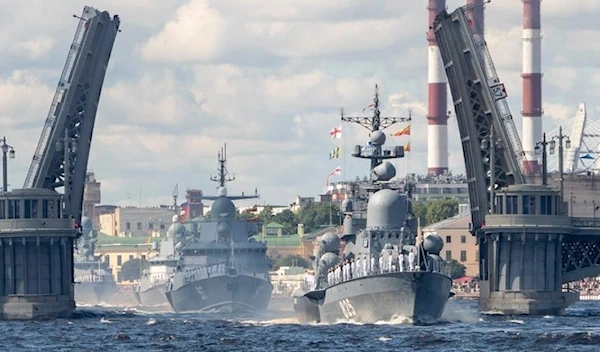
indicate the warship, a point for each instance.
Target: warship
{"x":385,"y":272}
{"x":221,"y":269}
{"x":150,"y":291}
{"x":94,"y":282}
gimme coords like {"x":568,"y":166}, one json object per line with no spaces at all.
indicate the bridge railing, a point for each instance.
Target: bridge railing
{"x":585,"y":222}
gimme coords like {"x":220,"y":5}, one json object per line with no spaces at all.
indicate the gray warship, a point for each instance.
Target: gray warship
{"x":221,"y":269}
{"x":384,"y":273}
{"x":151,"y":289}
{"x":94,"y":282}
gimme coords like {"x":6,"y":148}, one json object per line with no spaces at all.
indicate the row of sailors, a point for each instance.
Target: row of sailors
{"x":352,"y":269}
{"x":205,"y":270}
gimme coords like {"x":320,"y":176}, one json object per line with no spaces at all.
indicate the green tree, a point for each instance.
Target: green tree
{"x":291,"y":260}
{"x":455,"y":269}
{"x":315,"y":215}
{"x":288,"y":220}
{"x":132,"y":269}
{"x":266,"y":215}
{"x":420,"y":211}
{"x":441,"y":210}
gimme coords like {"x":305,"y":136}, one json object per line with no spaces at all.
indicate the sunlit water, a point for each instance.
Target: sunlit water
{"x":105,"y":328}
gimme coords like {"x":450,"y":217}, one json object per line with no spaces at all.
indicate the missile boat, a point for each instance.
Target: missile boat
{"x":385,"y":272}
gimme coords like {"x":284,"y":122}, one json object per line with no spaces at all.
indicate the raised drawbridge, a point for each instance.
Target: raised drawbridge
{"x":62,"y":153}
{"x":528,"y":245}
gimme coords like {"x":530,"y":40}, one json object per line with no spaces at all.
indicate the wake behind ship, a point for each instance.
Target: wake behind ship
{"x":383,"y":272}
{"x":220,"y":268}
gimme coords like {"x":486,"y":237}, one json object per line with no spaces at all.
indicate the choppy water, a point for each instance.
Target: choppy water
{"x":463,"y":329}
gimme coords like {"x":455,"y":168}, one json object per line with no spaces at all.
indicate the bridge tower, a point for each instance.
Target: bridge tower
{"x":38,"y":225}
{"x":528,"y":247}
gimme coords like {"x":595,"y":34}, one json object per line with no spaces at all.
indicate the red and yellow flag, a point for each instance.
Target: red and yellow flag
{"x":407,"y":147}
{"x":403,"y":132}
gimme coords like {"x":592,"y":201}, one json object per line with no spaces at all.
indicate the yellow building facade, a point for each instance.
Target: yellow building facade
{"x":459,"y":244}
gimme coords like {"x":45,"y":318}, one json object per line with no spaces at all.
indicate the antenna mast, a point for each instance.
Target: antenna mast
{"x":223,"y":175}
{"x":376,"y":123}
{"x":175,"y":195}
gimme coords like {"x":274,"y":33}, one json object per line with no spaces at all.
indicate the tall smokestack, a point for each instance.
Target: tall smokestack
{"x":437,"y":119}
{"x":532,"y":83}
{"x":475,"y":15}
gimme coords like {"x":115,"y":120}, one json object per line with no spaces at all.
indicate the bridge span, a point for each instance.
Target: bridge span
{"x":529,"y":243}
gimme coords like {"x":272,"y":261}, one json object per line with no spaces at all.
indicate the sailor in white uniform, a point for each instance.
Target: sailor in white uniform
{"x":411,"y":260}
{"x":381,"y":268}
{"x":390,"y":261}
{"x":401,"y":261}
{"x":372,"y":264}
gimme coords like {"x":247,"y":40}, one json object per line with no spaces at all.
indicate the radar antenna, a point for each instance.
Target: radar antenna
{"x":223,"y":175}
{"x":374,"y":149}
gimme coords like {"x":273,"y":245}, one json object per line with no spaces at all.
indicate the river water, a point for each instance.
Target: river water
{"x":463,"y":328}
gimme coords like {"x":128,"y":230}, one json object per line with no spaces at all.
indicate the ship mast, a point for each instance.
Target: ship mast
{"x":222,"y":173}
{"x":374,"y":149}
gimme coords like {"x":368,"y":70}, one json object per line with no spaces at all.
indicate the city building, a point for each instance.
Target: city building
{"x":91,"y":197}
{"x":136,"y":222}
{"x":459,"y":244}
{"x":116,"y":251}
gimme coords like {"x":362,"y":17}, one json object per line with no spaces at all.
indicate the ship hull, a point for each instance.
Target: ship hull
{"x":224,"y":293}
{"x":418,"y":296}
{"x":154,"y":296}
{"x":95,"y":292}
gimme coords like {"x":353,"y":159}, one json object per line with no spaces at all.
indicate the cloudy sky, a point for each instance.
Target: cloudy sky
{"x":268,"y":78}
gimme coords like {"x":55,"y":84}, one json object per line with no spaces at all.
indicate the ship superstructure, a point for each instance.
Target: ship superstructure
{"x":383,"y":272}
{"x":221,"y":268}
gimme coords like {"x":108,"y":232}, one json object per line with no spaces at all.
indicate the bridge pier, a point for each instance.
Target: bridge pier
{"x":523,"y":241}
{"x":36,"y":256}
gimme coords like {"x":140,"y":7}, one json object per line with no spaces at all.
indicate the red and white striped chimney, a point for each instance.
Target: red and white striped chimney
{"x":475,"y":15}
{"x":532,"y":84}
{"x":437,"y":125}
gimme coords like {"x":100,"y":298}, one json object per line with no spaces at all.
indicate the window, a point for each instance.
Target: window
{"x":127,"y":226}
{"x":130,"y":257}
{"x":34,"y":208}
{"x":546,"y":205}
{"x":2,"y":209}
{"x":463,"y":239}
{"x":139,"y":225}
{"x":143,"y":257}
{"x":150,"y":226}
{"x":162,"y":226}
{"x":499,"y":205}
{"x":512,"y":205}
{"x":45,"y":208}
{"x":107,"y":259}
{"x":448,"y":239}
{"x":463,"y":256}
{"x":448,"y":255}
{"x":119,"y":260}
{"x":528,"y":204}
{"x":27,"y":209}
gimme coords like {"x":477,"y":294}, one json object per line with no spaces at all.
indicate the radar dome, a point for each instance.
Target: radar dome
{"x":330,"y":242}
{"x":222,"y":207}
{"x":383,"y":172}
{"x":328,"y":260}
{"x":433,"y":244}
{"x":386,"y":209}
{"x":377,"y":138}
{"x":222,"y":192}
{"x":176,"y":229}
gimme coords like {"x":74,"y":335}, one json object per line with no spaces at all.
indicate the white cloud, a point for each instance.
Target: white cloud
{"x":267,"y":77}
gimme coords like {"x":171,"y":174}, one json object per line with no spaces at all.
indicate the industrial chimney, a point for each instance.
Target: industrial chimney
{"x":532,"y":84}
{"x":437,"y":118}
{"x":475,"y":15}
